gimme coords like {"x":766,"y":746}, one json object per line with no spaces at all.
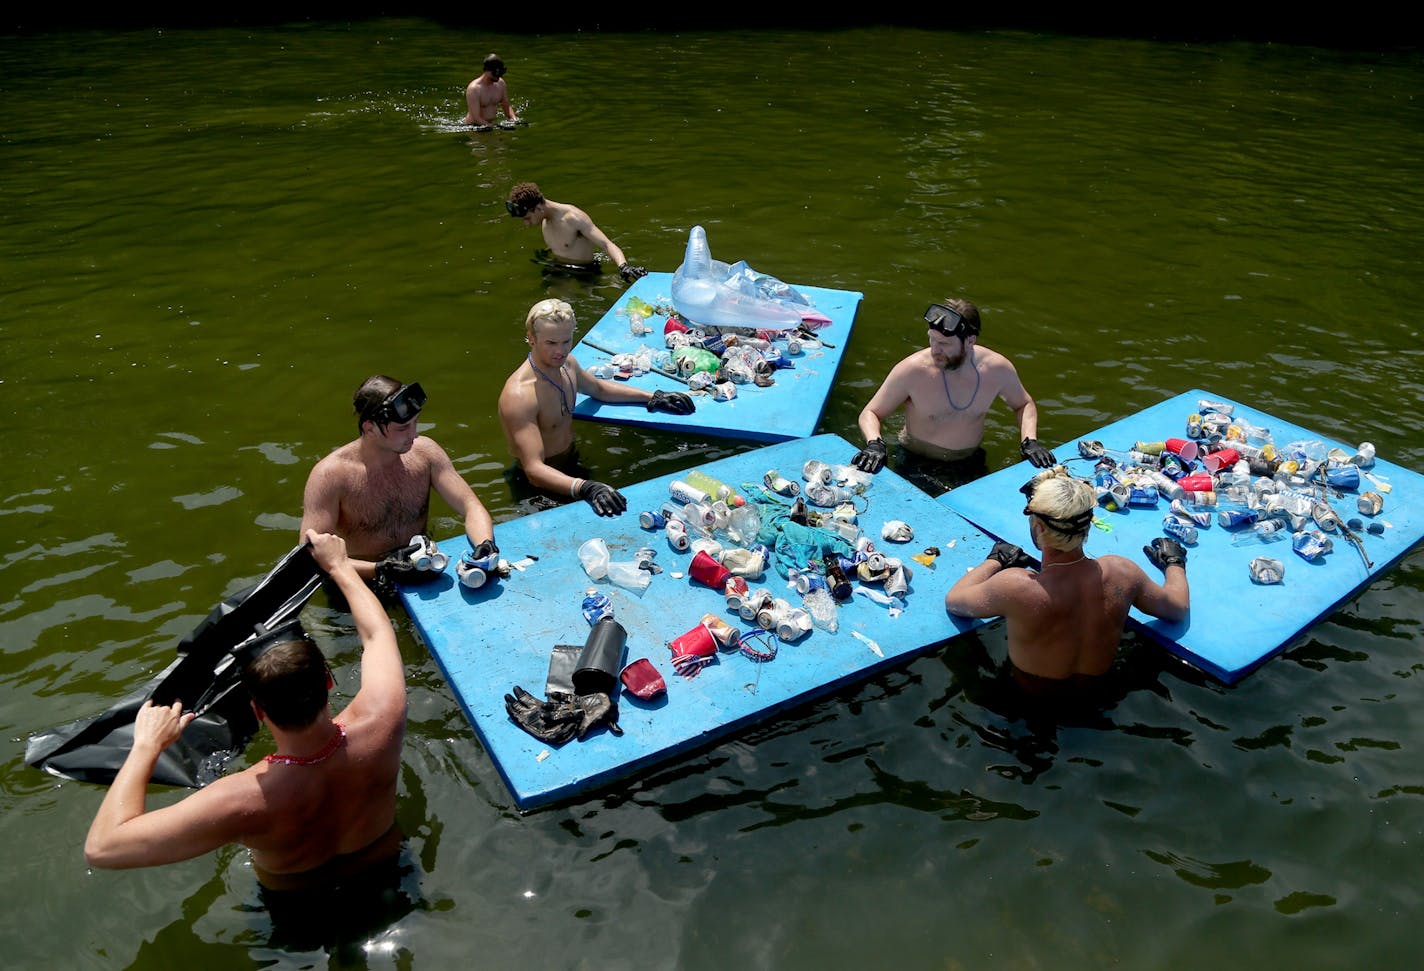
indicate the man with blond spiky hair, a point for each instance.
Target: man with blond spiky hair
{"x":1065,"y":619}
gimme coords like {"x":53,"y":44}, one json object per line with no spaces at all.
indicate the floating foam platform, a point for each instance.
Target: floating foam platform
{"x":1235,"y":625}
{"x":489,"y":640}
{"x":788,"y":409}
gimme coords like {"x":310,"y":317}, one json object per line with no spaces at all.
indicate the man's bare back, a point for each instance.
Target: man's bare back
{"x":1070,"y":617}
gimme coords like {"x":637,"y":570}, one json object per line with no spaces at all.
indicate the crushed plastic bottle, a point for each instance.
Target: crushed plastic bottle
{"x":819,"y":603}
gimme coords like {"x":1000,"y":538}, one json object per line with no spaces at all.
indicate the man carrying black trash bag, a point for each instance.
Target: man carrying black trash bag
{"x":1065,"y":620}
{"x":318,"y":811}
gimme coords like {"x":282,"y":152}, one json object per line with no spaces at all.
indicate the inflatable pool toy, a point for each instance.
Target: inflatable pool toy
{"x":707,"y":292}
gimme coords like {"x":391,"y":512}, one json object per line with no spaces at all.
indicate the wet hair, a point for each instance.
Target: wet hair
{"x":966,"y":310}
{"x":526,"y":196}
{"x":495,"y":63}
{"x":1063,"y":506}
{"x":557,"y":311}
{"x":289,"y":683}
{"x":368,"y":398}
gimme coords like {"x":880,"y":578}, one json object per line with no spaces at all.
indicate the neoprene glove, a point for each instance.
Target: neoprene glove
{"x":629,"y":272}
{"x":1010,"y":555}
{"x":672,"y":402}
{"x":1038,"y":455}
{"x":1164,"y":551}
{"x":554,"y":721}
{"x":596,"y":709}
{"x":605,"y":500}
{"x":872,"y":457}
{"x":485,"y":549}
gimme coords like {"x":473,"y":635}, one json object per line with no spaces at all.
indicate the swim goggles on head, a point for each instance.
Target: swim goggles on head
{"x":399,"y":407}
{"x":520,"y":211}
{"x":1070,"y":526}
{"x":948,"y":322}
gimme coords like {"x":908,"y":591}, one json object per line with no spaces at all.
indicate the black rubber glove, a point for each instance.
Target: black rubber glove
{"x":629,"y":272}
{"x":672,"y":402}
{"x":554,"y":721}
{"x":486,"y":548}
{"x":1038,"y":455}
{"x":1010,"y":555}
{"x":605,"y":500}
{"x":1165,"y":551}
{"x":872,"y":457}
{"x":597,"y":709}
{"x":395,"y":569}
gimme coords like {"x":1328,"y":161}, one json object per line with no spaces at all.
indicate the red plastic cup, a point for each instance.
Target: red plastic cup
{"x":1183,"y":448}
{"x":1196,"y":482}
{"x":708,"y":571}
{"x":697,"y":642}
{"x":643,"y":680}
{"x":1224,"y":459}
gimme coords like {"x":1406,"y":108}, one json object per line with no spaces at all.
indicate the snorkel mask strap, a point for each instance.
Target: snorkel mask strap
{"x":1071,"y":526}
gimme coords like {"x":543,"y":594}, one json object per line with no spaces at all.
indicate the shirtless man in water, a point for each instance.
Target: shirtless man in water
{"x":320,"y":810}
{"x":1065,"y":620}
{"x":568,"y":232}
{"x":537,"y":403}
{"x":487,"y":94}
{"x":374,"y":492}
{"x":947,"y":390}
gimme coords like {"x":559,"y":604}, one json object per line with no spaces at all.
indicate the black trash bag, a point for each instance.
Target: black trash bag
{"x":203,"y":677}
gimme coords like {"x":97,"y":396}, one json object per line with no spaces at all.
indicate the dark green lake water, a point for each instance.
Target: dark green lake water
{"x":210,"y":237}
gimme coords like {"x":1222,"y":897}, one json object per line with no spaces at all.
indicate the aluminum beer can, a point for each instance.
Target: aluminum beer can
{"x":652,"y":520}
{"x":1179,"y":530}
{"x":1231,"y":518}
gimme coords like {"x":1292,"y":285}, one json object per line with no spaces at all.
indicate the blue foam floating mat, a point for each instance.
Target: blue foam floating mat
{"x":788,"y":409}
{"x":1235,"y":625}
{"x":488,"y":640}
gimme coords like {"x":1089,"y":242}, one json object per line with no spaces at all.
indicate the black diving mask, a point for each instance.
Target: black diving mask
{"x":399,"y":407}
{"x":520,"y":211}
{"x":949,"y":322}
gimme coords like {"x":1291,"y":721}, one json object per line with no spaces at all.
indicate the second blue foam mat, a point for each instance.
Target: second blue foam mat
{"x":788,"y":409}
{"x":489,"y":640}
{"x":1235,"y":625}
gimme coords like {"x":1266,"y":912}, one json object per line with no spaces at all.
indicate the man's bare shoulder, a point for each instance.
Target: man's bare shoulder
{"x":989,"y":360}
{"x":428,"y":450}
{"x":518,"y":390}
{"x":915,"y":365}
{"x":339,"y":462}
{"x":1119,"y":568}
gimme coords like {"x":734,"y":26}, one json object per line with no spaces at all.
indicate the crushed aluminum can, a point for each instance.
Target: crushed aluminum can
{"x":725,"y":391}
{"x":1265,"y":570}
{"x":1370,"y":503}
{"x":1311,"y":545}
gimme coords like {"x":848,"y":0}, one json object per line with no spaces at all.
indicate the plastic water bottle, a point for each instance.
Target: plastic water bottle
{"x":714,"y":487}
{"x":1266,"y":531}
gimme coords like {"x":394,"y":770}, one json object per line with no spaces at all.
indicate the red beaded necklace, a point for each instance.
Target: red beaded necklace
{"x":327,"y":752}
